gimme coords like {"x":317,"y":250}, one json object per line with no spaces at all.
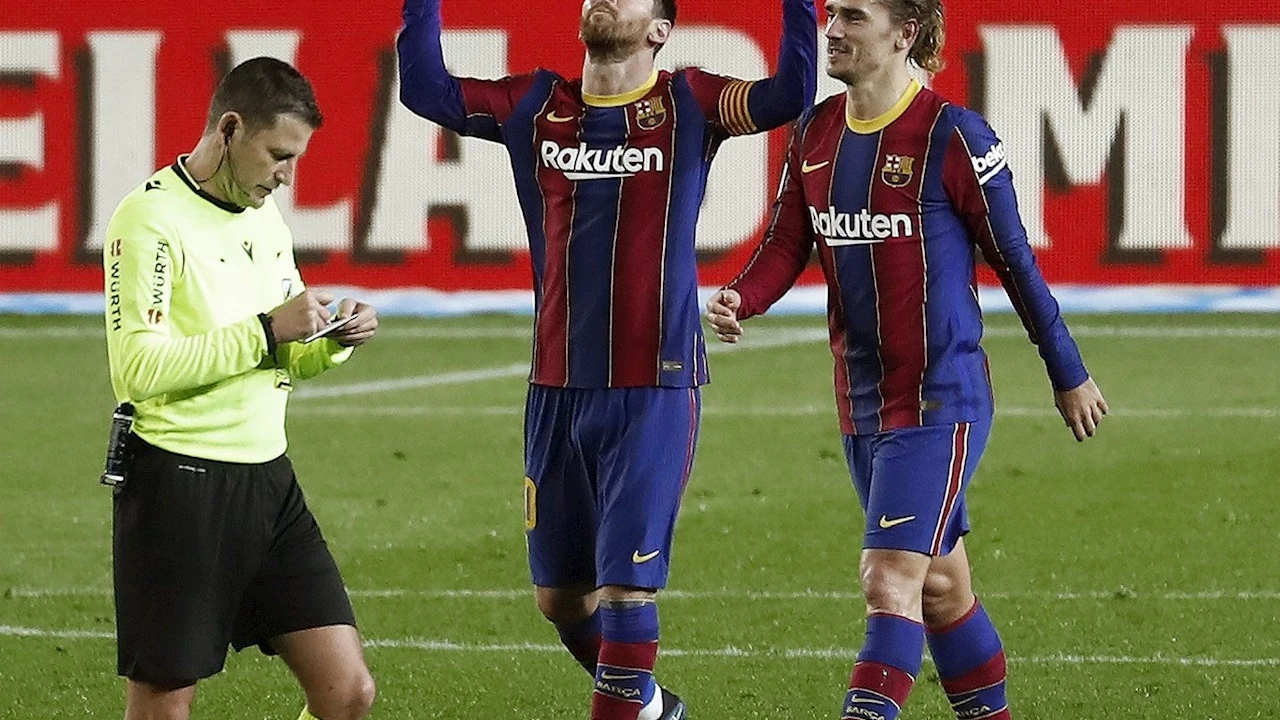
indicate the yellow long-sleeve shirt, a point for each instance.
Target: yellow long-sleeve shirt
{"x":186,"y":277}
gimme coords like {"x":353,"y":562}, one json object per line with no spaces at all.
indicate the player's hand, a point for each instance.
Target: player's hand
{"x":1081,"y":408}
{"x":300,"y":315}
{"x":358,"y":331}
{"x":722,"y":313}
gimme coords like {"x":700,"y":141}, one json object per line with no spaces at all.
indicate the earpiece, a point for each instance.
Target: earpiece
{"x":228,"y":131}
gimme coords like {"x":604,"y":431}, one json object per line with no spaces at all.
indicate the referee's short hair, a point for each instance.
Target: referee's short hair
{"x":262,"y":89}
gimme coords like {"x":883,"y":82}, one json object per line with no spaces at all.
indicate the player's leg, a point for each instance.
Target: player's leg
{"x":574,"y":612}
{"x":965,"y":646}
{"x":180,"y":549}
{"x":296,"y":605}
{"x":910,"y":483}
{"x":644,"y":448}
{"x":560,"y":523}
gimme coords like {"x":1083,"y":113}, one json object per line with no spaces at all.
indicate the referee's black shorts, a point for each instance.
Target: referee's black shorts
{"x":210,"y":554}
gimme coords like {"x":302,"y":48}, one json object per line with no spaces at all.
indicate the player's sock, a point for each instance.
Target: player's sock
{"x":970,"y":662}
{"x":306,"y":714}
{"x":628,"y":650}
{"x":582,"y":640}
{"x":887,"y":667}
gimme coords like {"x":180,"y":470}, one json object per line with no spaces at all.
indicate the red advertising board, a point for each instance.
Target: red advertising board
{"x":1143,"y":151}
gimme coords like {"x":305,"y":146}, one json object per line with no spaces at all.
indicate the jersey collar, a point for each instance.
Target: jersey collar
{"x":625,"y":98}
{"x":180,"y":168}
{"x":866,"y":127}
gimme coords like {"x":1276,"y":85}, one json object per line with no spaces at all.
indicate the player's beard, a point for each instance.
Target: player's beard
{"x":608,"y":38}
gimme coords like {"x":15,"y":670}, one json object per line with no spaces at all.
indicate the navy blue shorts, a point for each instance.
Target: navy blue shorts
{"x":605,"y":470}
{"x":912,"y":481}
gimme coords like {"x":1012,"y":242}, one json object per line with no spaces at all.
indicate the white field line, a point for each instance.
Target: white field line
{"x":730,"y":651}
{"x":1118,"y":594}
{"x":1252,"y":413}
{"x":1153,"y":332}
{"x":780,"y":338}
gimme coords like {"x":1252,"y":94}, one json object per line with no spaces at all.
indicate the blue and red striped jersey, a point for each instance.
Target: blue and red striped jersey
{"x":896,"y":207}
{"x":610,"y":189}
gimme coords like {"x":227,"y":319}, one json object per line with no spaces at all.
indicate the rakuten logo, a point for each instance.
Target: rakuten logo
{"x":988,"y":165}
{"x":839,"y":228}
{"x":583,"y":163}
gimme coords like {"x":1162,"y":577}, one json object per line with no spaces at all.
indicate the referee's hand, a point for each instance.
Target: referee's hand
{"x":300,"y":316}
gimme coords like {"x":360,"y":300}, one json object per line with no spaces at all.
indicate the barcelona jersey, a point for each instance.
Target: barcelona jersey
{"x":897,"y":208}
{"x":610,"y":188}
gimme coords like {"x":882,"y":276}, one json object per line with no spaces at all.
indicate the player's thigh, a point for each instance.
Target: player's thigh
{"x":916,"y":497}
{"x":144,"y":701}
{"x":298,"y":585}
{"x":559,"y":499}
{"x":185,"y":540}
{"x":645,"y":456}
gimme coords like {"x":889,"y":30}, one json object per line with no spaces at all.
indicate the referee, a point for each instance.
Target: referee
{"x":213,"y":543}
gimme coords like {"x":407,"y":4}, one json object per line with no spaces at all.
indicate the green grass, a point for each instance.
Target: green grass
{"x":1131,"y":576}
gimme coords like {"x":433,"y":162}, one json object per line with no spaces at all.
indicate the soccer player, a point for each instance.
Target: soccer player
{"x":610,"y":170}
{"x":213,"y":542}
{"x":897,"y":187}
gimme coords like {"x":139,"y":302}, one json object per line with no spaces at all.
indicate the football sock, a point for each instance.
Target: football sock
{"x":971,"y":665}
{"x":582,"y":640}
{"x":306,"y":714}
{"x":628,"y":650}
{"x":886,"y":668}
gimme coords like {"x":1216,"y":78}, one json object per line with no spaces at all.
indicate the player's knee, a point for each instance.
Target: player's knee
{"x":947,"y":594}
{"x":888,"y":587}
{"x":564,"y":608}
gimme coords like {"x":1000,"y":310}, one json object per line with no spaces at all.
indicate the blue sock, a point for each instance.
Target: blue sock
{"x":582,"y":640}
{"x":971,"y":664}
{"x":886,"y":669}
{"x":628,"y":651}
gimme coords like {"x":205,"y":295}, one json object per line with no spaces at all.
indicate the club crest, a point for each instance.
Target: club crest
{"x":897,"y":170}
{"x":650,"y":113}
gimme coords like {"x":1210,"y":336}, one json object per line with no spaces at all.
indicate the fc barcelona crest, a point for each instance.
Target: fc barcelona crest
{"x":650,"y":113}
{"x":897,"y":170}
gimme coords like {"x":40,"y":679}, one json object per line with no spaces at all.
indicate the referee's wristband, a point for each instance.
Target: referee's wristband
{"x":265,"y":319}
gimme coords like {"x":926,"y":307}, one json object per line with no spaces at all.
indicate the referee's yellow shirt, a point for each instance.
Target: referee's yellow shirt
{"x":186,"y":277}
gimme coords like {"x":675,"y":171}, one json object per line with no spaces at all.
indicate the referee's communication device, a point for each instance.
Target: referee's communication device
{"x":121,"y":427}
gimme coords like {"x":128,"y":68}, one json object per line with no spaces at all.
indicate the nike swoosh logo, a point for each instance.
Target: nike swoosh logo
{"x":637,"y":558}
{"x":886,"y":523}
{"x":806,"y":168}
{"x":608,"y":676}
{"x":873,"y":701}
{"x":553,"y":117}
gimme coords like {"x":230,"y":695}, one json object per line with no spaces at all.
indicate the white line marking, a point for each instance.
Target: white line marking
{"x":1153,"y":332}
{"x":1119,"y":594}
{"x":416,"y":381}
{"x":728,"y":651}
{"x":1253,"y":413}
{"x":766,"y":340}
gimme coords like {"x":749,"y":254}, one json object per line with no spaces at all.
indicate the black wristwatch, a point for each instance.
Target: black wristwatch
{"x":265,"y":319}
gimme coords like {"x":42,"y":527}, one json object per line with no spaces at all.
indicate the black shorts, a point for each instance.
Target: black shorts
{"x":210,"y":554}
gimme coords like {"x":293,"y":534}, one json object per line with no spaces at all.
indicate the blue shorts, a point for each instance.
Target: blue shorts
{"x":605,"y":470}
{"x":912,"y":481}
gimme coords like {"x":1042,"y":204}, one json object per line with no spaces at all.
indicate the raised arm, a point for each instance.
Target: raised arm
{"x":742,"y":107}
{"x":467,"y":106}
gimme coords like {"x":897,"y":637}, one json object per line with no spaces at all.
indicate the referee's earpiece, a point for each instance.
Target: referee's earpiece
{"x":228,"y":131}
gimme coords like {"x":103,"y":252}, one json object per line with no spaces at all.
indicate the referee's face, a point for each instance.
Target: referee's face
{"x":265,"y":158}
